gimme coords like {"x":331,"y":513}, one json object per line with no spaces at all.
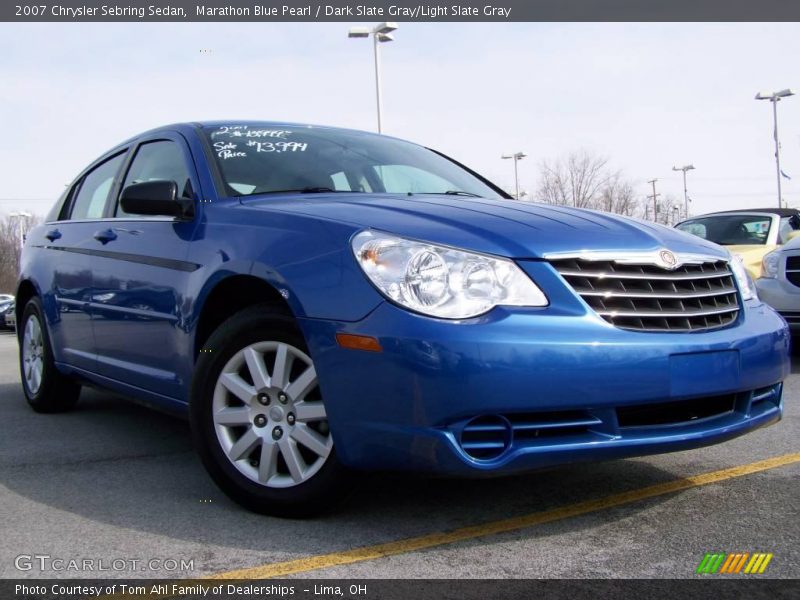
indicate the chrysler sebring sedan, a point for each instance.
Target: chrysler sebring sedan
{"x":321,"y":301}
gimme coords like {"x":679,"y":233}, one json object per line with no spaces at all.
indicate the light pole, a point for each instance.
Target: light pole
{"x":655,"y":200}
{"x":22,"y":217}
{"x":381,"y":33}
{"x":775,"y":97}
{"x":685,"y":168}
{"x":517,"y":156}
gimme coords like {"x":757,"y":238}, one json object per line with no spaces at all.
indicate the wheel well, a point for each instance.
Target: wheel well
{"x":25,"y":292}
{"x":230,"y":296}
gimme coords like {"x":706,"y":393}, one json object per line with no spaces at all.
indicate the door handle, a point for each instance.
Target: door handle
{"x":53,"y":235}
{"x":105,"y":235}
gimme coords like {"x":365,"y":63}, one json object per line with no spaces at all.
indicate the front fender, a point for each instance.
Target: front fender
{"x":307,"y":259}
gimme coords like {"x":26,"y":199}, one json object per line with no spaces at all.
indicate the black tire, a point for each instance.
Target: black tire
{"x":323,"y":490}
{"x":56,"y":392}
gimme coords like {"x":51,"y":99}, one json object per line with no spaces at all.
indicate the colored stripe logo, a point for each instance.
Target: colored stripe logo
{"x":734,"y":562}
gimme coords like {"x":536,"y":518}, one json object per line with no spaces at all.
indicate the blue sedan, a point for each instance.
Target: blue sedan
{"x":321,"y":301}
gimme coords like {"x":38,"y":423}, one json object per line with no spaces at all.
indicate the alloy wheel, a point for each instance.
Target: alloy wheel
{"x":269,"y":417}
{"x":33,"y":354}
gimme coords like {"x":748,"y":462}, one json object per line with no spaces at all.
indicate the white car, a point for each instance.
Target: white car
{"x":11,"y":319}
{"x":779,"y":284}
{"x":5,"y":298}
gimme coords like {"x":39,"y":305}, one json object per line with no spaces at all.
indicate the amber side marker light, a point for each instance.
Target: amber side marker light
{"x":358,"y":342}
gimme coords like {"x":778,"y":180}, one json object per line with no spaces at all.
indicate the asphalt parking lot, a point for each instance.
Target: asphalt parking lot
{"x":113,"y":480}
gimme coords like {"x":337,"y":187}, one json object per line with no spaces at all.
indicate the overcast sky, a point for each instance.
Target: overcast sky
{"x":647,"y":96}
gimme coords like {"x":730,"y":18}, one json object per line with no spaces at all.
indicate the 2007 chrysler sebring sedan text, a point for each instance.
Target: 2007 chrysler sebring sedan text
{"x":322,"y":301}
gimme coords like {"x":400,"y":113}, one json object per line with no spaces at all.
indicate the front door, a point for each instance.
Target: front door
{"x":141,"y":272}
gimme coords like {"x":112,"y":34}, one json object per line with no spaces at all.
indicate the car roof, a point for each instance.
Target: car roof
{"x":782,"y":212}
{"x":192,"y":126}
{"x":760,"y":212}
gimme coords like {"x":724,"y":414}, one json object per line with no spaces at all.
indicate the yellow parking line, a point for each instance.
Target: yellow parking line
{"x":431,"y":540}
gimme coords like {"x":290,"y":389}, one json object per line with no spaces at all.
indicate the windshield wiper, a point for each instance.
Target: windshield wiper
{"x":462,"y":193}
{"x":450,"y":193}
{"x":307,"y":190}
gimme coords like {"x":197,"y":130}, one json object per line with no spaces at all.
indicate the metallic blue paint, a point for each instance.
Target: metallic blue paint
{"x":131,"y":326}
{"x":393,"y":409}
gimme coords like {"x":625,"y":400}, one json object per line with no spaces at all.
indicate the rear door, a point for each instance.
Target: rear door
{"x":71,"y":239}
{"x":141,"y":272}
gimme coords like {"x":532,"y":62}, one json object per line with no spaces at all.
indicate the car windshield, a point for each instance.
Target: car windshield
{"x":263,"y":159}
{"x":730,"y":230}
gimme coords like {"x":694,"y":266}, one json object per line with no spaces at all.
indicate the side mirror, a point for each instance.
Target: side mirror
{"x":156,"y":198}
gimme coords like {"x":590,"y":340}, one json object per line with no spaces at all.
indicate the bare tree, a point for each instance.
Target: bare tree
{"x":617,"y":196}
{"x":585,"y":180}
{"x":575,"y":180}
{"x":10,"y":249}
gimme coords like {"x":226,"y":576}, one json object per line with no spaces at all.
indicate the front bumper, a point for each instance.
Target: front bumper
{"x":549,"y":385}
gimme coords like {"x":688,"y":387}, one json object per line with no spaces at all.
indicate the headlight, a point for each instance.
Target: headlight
{"x":769,"y":264}
{"x":746,"y":287}
{"x":440,"y":281}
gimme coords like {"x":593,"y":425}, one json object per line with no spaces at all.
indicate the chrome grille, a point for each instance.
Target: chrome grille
{"x":793,"y":270}
{"x":645,"y":297}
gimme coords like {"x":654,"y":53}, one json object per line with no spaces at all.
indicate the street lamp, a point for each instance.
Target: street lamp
{"x":775,"y":97}
{"x":685,"y":192}
{"x":20,"y":216}
{"x":518,"y":156}
{"x":381,"y":33}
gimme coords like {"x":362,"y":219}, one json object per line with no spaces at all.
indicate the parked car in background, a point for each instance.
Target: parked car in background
{"x":6,"y":306}
{"x":750,"y":234}
{"x":779,"y":284}
{"x":9,"y":316}
{"x":323,"y":301}
{"x":6,"y":298}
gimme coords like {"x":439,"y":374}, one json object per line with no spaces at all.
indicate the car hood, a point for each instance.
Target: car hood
{"x":751,"y":255}
{"x":502,"y":227}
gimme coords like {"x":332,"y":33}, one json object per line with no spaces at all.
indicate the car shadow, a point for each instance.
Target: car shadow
{"x":120,"y":464}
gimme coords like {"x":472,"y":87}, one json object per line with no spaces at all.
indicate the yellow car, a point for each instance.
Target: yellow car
{"x":749,"y":234}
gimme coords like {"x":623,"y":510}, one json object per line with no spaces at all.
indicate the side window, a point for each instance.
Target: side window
{"x":405,"y":178}
{"x":340,"y":182}
{"x":90,"y":200}
{"x":161,"y":160}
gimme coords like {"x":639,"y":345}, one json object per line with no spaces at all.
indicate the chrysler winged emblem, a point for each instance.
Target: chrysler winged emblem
{"x":667,"y":259}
